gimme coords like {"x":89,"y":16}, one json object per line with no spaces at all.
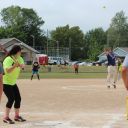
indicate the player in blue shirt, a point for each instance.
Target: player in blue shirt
{"x":112,"y":68}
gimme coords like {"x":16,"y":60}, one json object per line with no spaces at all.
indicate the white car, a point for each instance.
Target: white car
{"x":55,"y":60}
{"x":89,"y":64}
{"x":82,"y":64}
{"x":74,"y":62}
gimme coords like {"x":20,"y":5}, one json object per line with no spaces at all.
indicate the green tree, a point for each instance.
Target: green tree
{"x":3,"y":32}
{"x":95,"y":41}
{"x":22,"y":23}
{"x":77,"y":43}
{"x":61,"y":34}
{"x":117,"y":34}
{"x":71,"y":37}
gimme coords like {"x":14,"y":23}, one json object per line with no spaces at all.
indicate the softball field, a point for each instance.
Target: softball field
{"x":70,"y":103}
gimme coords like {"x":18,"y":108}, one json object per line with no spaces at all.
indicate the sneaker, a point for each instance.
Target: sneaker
{"x":8,"y":120}
{"x":114,"y":86}
{"x":19,"y":119}
{"x":108,"y":87}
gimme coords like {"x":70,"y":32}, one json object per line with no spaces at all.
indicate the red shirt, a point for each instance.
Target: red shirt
{"x":76,"y":66}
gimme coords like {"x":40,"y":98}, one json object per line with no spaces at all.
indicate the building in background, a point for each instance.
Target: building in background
{"x":28,"y":53}
{"x":120,"y":52}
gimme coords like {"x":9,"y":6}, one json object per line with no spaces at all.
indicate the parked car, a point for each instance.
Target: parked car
{"x":82,"y":64}
{"x":75,"y":62}
{"x":56,"y":60}
{"x":89,"y":64}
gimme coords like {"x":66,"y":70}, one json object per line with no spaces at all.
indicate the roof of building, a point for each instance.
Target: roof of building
{"x":4,"y":41}
{"x":122,"y":51}
{"x":124,"y":48}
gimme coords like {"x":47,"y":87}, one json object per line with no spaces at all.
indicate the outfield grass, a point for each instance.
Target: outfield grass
{"x":68,"y":69}
{"x":66,"y":72}
{"x":64,"y":75}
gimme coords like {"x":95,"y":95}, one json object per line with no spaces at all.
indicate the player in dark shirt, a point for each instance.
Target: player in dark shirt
{"x":111,"y":59}
{"x":112,"y":68}
{"x":35,"y":70}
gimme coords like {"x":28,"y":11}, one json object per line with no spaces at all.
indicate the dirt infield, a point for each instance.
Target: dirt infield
{"x":70,"y":103}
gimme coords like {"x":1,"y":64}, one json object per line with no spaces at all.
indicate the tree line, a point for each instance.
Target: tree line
{"x":24,"y":24}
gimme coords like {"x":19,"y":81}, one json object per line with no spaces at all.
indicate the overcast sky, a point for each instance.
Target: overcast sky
{"x":87,"y":14}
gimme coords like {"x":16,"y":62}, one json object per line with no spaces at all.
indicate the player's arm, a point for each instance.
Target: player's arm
{"x":10,"y":69}
{"x":124,"y":76}
{"x":38,"y":66}
{"x":9,"y":65}
{"x":21,"y":63}
{"x":125,"y":72}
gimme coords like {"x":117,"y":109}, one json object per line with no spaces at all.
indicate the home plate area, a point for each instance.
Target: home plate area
{"x":79,"y":120}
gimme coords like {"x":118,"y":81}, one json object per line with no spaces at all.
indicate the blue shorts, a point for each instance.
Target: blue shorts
{"x":34,"y":72}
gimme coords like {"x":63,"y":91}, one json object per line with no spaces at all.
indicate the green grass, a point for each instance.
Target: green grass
{"x":68,"y":69}
{"x":65,"y":75}
{"x":66,"y":72}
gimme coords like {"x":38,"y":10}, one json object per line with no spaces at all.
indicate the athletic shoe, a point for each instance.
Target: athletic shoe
{"x":8,"y":120}
{"x":19,"y":119}
{"x":108,"y":87}
{"x":114,"y":86}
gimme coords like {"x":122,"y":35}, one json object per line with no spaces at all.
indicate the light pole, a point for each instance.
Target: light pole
{"x":33,"y":41}
{"x":57,"y":48}
{"x":70,"y":49}
{"x":47,"y":41}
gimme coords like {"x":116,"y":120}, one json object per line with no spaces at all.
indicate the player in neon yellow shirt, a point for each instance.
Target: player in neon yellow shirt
{"x":12,"y":65}
{"x":10,"y":78}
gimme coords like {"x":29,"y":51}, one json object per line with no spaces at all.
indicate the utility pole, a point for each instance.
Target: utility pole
{"x":33,"y":41}
{"x":70,"y":49}
{"x":47,"y":41}
{"x":57,"y":48}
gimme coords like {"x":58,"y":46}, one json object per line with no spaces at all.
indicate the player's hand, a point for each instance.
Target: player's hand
{"x":16,"y":64}
{"x":22,"y":66}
